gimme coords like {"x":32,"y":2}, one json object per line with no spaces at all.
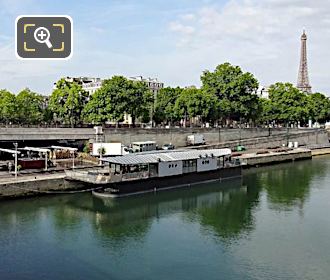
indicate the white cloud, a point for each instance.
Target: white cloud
{"x":261,"y":36}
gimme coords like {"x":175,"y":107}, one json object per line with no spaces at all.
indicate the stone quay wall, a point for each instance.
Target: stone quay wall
{"x":26,"y":188}
{"x":249,"y":136}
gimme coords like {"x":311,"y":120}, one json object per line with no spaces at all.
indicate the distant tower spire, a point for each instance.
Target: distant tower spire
{"x":303,"y":81}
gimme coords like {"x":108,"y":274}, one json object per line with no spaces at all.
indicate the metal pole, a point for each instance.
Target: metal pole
{"x":72,"y":159}
{"x":15,"y":144}
{"x":46,"y":161}
{"x":101,"y":154}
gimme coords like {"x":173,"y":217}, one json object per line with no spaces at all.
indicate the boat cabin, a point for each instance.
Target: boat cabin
{"x":172,"y":163}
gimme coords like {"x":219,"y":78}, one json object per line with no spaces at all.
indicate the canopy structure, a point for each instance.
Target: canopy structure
{"x":33,"y":149}
{"x":165,"y":157}
{"x":71,"y":150}
{"x":39,"y":150}
{"x":15,"y":153}
{"x":64,"y":148}
{"x":9,"y":151}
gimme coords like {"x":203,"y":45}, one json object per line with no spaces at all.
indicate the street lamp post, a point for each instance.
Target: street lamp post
{"x":73,"y":156}
{"x":15,"y":145}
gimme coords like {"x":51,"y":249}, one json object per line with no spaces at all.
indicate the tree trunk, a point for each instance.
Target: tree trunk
{"x":133,"y":120}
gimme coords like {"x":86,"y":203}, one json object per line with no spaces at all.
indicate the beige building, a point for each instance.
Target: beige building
{"x":152,"y":83}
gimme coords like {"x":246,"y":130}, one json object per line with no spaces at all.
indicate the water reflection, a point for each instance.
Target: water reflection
{"x":287,"y":185}
{"x":225,"y":210}
{"x":224,"y":207}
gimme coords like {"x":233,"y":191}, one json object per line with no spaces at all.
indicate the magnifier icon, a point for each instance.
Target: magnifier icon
{"x":41,"y":35}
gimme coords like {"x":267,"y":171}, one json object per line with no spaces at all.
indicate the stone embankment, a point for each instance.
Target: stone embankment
{"x":273,"y":157}
{"x":40,"y":184}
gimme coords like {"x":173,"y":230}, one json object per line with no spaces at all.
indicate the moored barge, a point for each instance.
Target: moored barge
{"x":149,"y":172}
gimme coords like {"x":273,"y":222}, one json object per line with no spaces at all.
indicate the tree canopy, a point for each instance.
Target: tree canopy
{"x":116,"y":97}
{"x":193,"y":102}
{"x":30,"y":106}
{"x":8,"y":107}
{"x":165,"y":102}
{"x":235,"y":91}
{"x":288,"y":104}
{"x":227,"y":94}
{"x":67,"y":102}
{"x":318,"y":107}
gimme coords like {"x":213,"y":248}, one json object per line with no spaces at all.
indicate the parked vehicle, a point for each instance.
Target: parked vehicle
{"x":144,"y":146}
{"x":195,"y":139}
{"x":109,"y":149}
{"x":168,"y":147}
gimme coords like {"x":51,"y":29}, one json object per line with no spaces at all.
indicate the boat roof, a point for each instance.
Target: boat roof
{"x":166,"y":157}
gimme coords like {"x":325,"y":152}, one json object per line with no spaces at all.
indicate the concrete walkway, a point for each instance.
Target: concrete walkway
{"x":10,"y":179}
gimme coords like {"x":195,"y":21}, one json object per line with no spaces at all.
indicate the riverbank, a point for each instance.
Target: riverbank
{"x":320,"y":152}
{"x":36,"y":185}
{"x":268,"y":157}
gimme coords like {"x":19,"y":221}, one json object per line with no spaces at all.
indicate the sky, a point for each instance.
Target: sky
{"x":173,"y":40}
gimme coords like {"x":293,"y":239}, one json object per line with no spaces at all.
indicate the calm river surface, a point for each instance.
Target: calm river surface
{"x":273,"y":224}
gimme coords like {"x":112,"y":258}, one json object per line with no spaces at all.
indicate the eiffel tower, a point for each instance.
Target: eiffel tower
{"x":303,"y":81}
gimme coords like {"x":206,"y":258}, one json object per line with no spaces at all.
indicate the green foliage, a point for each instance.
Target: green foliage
{"x":29,"y":107}
{"x":8,"y":107}
{"x":116,"y":97}
{"x":139,"y":100}
{"x":287,"y":103}
{"x":164,"y":107}
{"x":86,"y":148}
{"x":67,"y":101}
{"x":318,"y":107}
{"x":235,"y":91}
{"x":193,"y":102}
{"x":267,"y":111}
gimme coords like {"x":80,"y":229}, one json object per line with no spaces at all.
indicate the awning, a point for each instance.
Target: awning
{"x":64,"y":148}
{"x":9,"y":151}
{"x":33,"y":149}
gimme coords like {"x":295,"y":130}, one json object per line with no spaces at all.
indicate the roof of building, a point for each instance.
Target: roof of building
{"x":133,"y":159}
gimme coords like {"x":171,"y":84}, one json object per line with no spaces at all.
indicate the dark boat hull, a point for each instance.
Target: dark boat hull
{"x":126,"y":188}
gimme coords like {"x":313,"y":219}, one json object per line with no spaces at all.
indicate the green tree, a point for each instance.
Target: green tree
{"x":235,"y":91}
{"x":8,"y":107}
{"x":116,"y":97}
{"x":138,"y":100}
{"x":67,"y":101}
{"x":29,"y":107}
{"x":108,"y":103}
{"x":193,"y":102}
{"x":165,"y":102}
{"x":267,"y":112}
{"x":289,"y":104}
{"x":318,"y":107}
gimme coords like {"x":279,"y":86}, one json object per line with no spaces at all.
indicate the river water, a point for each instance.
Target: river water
{"x":272,"y":224}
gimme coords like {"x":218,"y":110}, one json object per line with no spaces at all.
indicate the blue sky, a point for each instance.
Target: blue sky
{"x":173,"y":40}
